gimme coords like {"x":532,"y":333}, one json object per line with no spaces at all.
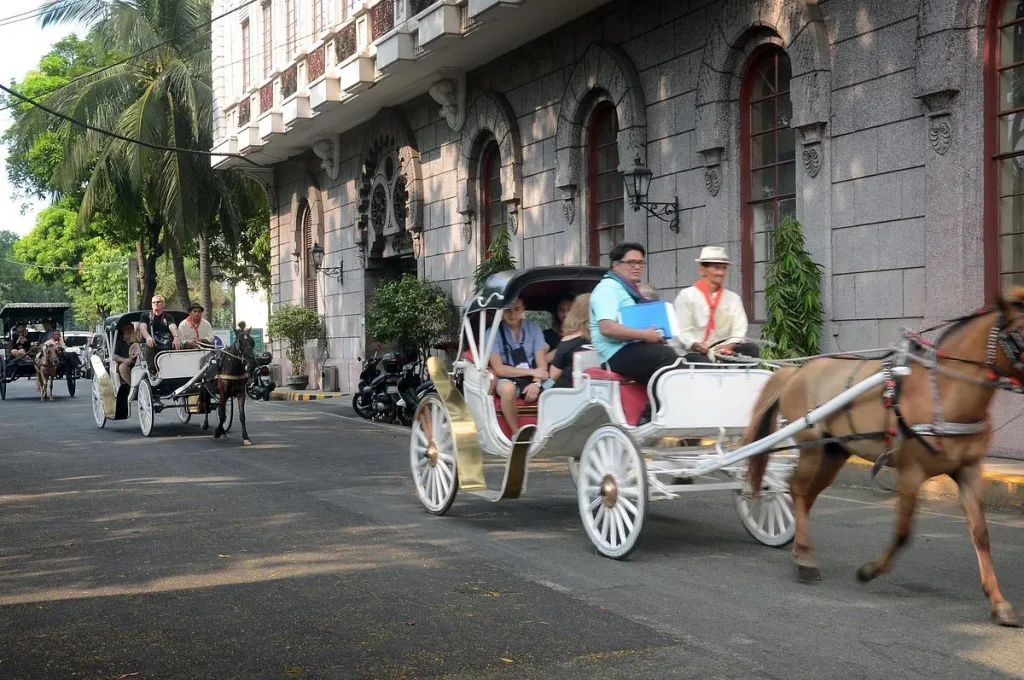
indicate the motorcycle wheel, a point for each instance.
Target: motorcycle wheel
{"x":361,"y":410}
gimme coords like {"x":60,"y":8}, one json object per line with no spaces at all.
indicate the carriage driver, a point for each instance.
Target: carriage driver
{"x":159,"y":332}
{"x":708,"y":313}
{"x":196,"y":329}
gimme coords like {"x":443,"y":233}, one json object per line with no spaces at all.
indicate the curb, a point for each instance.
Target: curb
{"x":1002,"y":489}
{"x":289,"y":395}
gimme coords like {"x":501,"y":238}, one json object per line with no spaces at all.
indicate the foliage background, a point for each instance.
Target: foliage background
{"x":793,"y":296}
{"x":296,"y":325}
{"x":409,"y":313}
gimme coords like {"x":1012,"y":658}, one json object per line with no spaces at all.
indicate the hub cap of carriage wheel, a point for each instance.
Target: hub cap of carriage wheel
{"x":609,"y":491}
{"x":432,"y":453}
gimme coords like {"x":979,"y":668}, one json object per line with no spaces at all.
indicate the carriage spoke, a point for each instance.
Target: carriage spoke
{"x":784,"y":504}
{"x":421,"y":439}
{"x":596,"y":502}
{"x":612,"y":526}
{"x":630,"y":491}
{"x":771,"y":518}
{"x":627,"y":506}
{"x":625,"y":519}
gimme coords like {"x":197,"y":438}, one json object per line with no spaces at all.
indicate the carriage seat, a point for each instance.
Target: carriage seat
{"x":632,"y":394}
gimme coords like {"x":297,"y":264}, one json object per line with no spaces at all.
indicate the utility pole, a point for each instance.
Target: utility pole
{"x":133,"y":283}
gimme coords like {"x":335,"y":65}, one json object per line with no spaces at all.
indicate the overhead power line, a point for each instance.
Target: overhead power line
{"x":130,"y":140}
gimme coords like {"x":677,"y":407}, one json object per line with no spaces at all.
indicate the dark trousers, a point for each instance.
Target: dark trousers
{"x":747,"y":349}
{"x":150,"y":355}
{"x":641,"y":360}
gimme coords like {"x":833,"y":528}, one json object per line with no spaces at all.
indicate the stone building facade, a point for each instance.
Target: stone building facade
{"x":399,"y":134}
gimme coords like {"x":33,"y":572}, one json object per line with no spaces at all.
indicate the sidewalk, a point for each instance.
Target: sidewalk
{"x":1005,"y":479}
{"x":283,"y":394}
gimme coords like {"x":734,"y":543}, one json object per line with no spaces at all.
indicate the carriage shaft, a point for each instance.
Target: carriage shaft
{"x":841,"y":400}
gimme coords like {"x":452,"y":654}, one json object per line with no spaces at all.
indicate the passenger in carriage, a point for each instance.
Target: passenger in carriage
{"x":708,"y":313}
{"x":196,"y":329}
{"x":21,"y":346}
{"x":520,"y":362}
{"x":576,"y":326}
{"x":636,"y":354}
{"x":126,"y":351}
{"x":159,"y":332}
{"x":553,"y":335}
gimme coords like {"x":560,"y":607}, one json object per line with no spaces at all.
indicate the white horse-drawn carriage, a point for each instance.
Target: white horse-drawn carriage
{"x":176,"y":385}
{"x":618,"y":465}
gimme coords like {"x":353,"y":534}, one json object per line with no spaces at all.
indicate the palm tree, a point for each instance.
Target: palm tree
{"x":163,"y":97}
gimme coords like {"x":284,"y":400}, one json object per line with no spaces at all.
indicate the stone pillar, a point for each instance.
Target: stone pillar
{"x":814,"y":210}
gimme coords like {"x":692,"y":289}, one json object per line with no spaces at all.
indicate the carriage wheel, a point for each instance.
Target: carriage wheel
{"x":769,"y":518}
{"x":97,"y":405}
{"x":3,"y":378}
{"x":612,"y":492}
{"x":71,"y":384}
{"x":145,"y":407}
{"x":432,"y":456}
{"x":182,"y":411}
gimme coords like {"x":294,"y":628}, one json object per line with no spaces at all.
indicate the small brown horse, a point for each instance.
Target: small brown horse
{"x":951,"y":383}
{"x":228,"y":373}
{"x":46,"y":362}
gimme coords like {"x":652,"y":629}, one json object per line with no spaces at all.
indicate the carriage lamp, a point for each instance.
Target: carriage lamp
{"x":316,"y":254}
{"x":638,"y":184}
{"x":250,"y":269}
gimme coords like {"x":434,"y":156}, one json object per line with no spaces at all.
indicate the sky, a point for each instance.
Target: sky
{"x":21,"y":46}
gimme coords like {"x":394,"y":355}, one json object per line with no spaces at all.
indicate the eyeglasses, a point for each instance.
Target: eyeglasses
{"x":633,"y":263}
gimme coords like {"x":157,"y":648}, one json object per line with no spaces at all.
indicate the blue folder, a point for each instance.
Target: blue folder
{"x":661,"y":315}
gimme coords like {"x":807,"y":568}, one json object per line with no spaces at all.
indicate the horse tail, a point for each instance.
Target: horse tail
{"x":762,"y":423}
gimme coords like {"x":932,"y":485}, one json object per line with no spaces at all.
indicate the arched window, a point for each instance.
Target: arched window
{"x":1004,"y":147}
{"x":308,"y":272}
{"x":493,"y":210}
{"x":604,"y":183}
{"x":768,"y":161}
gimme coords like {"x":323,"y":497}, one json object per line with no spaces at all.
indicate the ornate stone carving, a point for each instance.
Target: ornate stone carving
{"x":812,"y":160}
{"x":417,"y":244}
{"x":513,"y":223}
{"x":450,"y":93}
{"x":712,"y":181}
{"x":940,"y":135}
{"x":569,"y":210}
{"x":327,"y":151}
{"x":467,"y":232}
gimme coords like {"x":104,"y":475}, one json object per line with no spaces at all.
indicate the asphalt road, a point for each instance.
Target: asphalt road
{"x":308,"y":556}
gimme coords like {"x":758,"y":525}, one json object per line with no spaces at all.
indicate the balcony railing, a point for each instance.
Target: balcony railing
{"x":345,"y":43}
{"x":244,"y":112}
{"x":289,"y":81}
{"x":382,"y":18}
{"x":417,"y":6}
{"x":316,"y":63}
{"x":267,"y":96}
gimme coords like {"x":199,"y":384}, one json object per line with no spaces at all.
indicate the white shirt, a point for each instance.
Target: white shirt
{"x":693,"y":314}
{"x":187,"y":333}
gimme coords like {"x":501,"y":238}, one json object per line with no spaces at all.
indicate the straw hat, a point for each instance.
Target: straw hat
{"x":713,"y":255}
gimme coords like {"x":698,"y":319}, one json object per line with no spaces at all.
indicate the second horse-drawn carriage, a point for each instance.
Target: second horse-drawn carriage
{"x":32,"y":313}
{"x":176,"y":384}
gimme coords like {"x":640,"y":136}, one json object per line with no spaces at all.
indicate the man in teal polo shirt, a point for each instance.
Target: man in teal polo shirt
{"x":636,"y":354}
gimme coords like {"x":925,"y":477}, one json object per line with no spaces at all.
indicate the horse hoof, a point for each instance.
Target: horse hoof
{"x":1005,"y":616}
{"x":807,"y":574}
{"x":246,"y":442}
{"x":867,"y":572}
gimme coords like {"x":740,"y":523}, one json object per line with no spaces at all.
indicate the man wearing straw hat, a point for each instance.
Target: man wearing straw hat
{"x":708,"y":313}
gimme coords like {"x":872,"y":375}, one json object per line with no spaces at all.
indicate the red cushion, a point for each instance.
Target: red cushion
{"x":524,"y":419}
{"x":601,"y":374}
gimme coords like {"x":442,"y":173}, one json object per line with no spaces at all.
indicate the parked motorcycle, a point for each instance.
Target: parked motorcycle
{"x":260,"y":383}
{"x":362,"y":400}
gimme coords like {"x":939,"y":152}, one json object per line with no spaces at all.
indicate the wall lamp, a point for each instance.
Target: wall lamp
{"x":316,"y":254}
{"x":638,"y":184}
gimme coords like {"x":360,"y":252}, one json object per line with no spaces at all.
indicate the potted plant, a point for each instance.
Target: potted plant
{"x":793,"y":296}
{"x":410,"y":313}
{"x":296,"y":325}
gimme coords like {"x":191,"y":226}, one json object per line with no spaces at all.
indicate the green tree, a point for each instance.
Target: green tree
{"x":164,"y":98}
{"x":296,"y":325}
{"x":793,"y":296}
{"x":92,"y":271}
{"x":14,"y":287}
{"x":412,"y":313}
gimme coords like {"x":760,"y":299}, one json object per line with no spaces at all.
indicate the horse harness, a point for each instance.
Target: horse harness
{"x":1012,"y":344}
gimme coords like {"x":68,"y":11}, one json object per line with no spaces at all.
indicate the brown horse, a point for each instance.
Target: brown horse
{"x":46,"y":362}
{"x":950,"y":388}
